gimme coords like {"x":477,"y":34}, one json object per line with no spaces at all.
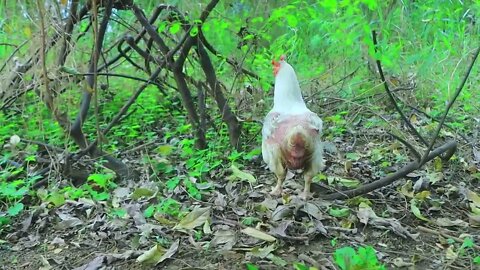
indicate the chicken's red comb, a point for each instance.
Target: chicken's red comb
{"x":275,"y":63}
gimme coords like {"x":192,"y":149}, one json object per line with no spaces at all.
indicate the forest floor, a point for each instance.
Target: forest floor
{"x":86,"y":234}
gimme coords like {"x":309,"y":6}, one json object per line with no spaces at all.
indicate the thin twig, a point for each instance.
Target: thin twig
{"x":440,"y":233}
{"x":17,"y":48}
{"x":408,"y":145}
{"x":437,"y":120}
{"x":333,"y":84}
{"x":450,"y":103}
{"x":448,"y":148}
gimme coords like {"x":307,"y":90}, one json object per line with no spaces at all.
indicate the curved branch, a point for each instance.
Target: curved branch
{"x":455,"y":96}
{"x":149,"y":81}
{"x":66,"y":47}
{"x":234,"y":127}
{"x":87,"y":94}
{"x":130,"y":41}
{"x":228,"y":60}
{"x":448,"y":148}
{"x":390,"y":94}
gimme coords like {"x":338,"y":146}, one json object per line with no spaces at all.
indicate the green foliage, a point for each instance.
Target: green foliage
{"x":467,"y":250}
{"x":168,"y":207}
{"x":425,"y":40}
{"x":364,"y":259}
{"x":301,"y":266}
{"x":248,"y":221}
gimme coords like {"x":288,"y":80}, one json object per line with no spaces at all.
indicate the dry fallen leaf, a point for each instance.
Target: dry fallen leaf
{"x":262,"y":252}
{"x":227,"y":237}
{"x":312,"y":210}
{"x":281,"y":212}
{"x":474,"y":220}
{"x":399,"y":262}
{"x":450,"y":254}
{"x":473,"y":197}
{"x":170,"y":252}
{"x":158,"y":254}
{"x":68,"y":221}
{"x":366,"y":215}
{"x":196,"y":218}
{"x":152,"y":256}
{"x":258,"y":234}
{"x":445,"y":222}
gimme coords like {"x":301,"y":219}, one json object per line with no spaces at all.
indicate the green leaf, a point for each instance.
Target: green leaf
{"x":165,"y":150}
{"x":350,"y":183}
{"x":57,"y":199}
{"x":119,"y":212}
{"x":352,"y":156}
{"x":343,"y":257}
{"x":416,"y":211}
{"x":194,"y":31}
{"x":251,"y":154}
{"x":149,"y":211}
{"x":175,"y":28}
{"x":330,"y":5}
{"x":15,"y":209}
{"x":4,"y":220}
{"x":251,"y":266}
{"x":101,"y":179}
{"x":142,"y":192}
{"x":300,"y":266}
{"x":172,"y":183}
{"x":339,"y":212}
{"x":100,"y":196}
{"x":162,"y":26}
{"x":244,"y":176}
{"x":292,"y":21}
{"x":467,"y":243}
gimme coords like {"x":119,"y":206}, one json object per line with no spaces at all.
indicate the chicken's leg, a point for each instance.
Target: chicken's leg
{"x":281,"y":175}
{"x":306,"y":191}
{"x":277,"y":190}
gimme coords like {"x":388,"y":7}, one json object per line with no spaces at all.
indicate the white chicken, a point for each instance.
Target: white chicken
{"x":291,"y":133}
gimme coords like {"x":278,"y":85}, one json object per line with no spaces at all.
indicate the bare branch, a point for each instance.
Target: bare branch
{"x":448,"y":148}
{"x":87,"y":93}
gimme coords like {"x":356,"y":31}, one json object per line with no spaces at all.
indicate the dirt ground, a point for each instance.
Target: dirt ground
{"x":84,"y":234}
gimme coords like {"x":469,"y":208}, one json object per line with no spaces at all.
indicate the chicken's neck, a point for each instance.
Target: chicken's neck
{"x":287,"y":95}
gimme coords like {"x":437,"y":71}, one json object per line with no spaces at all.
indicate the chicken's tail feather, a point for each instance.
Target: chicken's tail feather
{"x":298,"y":137}
{"x":298,"y":148}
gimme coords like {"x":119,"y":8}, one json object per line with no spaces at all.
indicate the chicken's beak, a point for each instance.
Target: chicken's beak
{"x":276,"y":67}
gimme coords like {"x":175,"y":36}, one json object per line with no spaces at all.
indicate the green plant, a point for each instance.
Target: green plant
{"x":168,"y":207}
{"x":467,"y":250}
{"x":364,"y":259}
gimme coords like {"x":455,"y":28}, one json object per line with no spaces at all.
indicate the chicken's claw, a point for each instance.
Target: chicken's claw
{"x":276,"y":191}
{"x":305,"y":195}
